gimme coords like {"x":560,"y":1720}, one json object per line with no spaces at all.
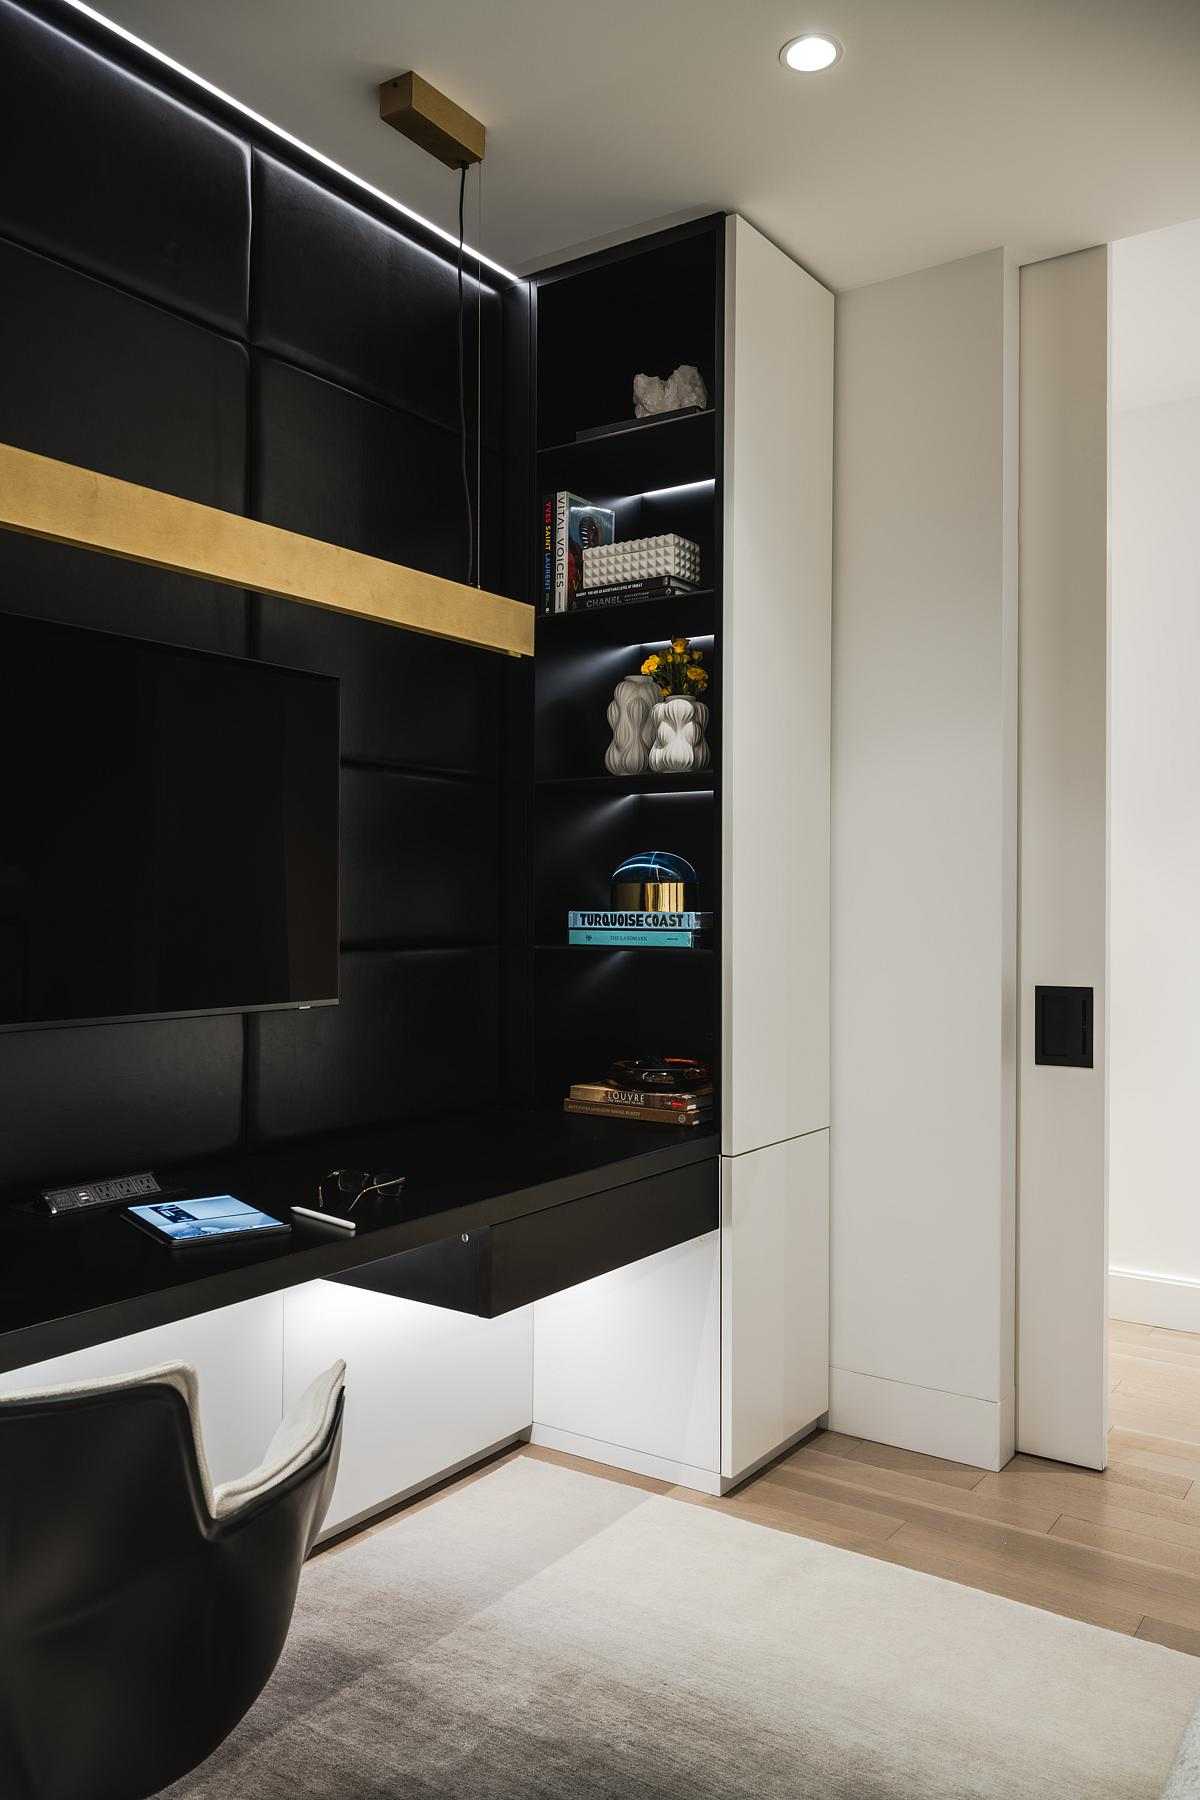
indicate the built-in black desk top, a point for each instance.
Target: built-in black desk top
{"x":65,"y":1285}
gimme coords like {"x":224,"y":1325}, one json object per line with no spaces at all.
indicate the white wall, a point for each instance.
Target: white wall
{"x":1154,"y":1153}
{"x":924,"y":757}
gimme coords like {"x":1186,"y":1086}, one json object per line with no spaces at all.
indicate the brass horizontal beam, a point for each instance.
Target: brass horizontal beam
{"x":68,"y":505}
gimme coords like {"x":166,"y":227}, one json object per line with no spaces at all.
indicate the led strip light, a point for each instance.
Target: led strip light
{"x":287,"y":137}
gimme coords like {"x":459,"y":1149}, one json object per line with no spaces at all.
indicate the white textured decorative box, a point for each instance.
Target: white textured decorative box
{"x":638,"y":559}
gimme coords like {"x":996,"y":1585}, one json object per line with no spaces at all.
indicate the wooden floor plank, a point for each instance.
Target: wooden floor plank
{"x":1088,"y":1498}
{"x":1129,"y":1586}
{"x":1159,"y":1354}
{"x":833,"y":1443}
{"x":1121,"y":1442}
{"x":1133,"y":1544}
{"x":909,"y":1462}
{"x":1168,"y":1418}
{"x":1121,"y":1331}
{"x":917,"y":1548}
{"x":1182,"y":1340}
{"x":889,"y":1486}
{"x":565,"y":1459}
{"x":1184,"y":1532}
{"x":1158,"y":1381}
{"x":850,"y":1527}
{"x":1175,"y":1637}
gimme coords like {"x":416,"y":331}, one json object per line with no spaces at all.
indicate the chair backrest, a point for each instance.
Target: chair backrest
{"x":136,"y":1627}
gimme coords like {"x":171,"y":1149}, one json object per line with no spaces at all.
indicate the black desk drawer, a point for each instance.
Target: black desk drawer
{"x":499,"y":1267}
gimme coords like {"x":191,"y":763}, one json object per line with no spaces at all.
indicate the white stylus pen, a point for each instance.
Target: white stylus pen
{"x":323,"y":1218}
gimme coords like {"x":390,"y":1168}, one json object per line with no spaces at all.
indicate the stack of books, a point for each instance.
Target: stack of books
{"x":639,"y":930}
{"x":627,"y":593}
{"x":607,"y":1100}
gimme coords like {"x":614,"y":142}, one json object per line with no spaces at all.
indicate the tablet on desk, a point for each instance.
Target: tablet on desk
{"x":215,"y":1219}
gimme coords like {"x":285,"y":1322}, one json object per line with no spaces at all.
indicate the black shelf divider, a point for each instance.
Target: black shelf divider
{"x":699,"y":950}
{"x":640,"y":622}
{"x":648,"y":455}
{"x":598,"y":786}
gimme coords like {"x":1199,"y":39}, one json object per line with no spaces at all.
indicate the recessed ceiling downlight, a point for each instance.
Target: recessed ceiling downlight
{"x":810,"y":53}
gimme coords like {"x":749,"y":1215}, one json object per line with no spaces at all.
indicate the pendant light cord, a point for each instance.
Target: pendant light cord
{"x":462,"y":377}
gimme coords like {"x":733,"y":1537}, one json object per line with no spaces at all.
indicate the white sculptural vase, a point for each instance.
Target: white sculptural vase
{"x":630,"y":714}
{"x":679,"y":746}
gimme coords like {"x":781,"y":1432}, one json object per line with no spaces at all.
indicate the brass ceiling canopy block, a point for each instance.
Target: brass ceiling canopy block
{"x":429,"y":119}
{"x":41,"y":497}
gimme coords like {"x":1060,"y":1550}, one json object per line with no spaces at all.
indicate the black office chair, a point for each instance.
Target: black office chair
{"x":141,"y":1610}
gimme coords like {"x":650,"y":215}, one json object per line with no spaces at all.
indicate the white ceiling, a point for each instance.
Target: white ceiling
{"x":1156,"y":318}
{"x":950,"y":126}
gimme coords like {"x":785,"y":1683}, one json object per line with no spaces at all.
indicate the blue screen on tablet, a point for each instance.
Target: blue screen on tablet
{"x":219,"y":1215}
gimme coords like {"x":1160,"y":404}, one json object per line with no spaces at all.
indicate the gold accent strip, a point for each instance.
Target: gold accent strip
{"x":41,"y":497}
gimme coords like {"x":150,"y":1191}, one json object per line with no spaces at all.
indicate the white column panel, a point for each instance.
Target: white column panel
{"x":775,"y":694}
{"x":924,"y":865}
{"x":1062,"y":1152}
{"x":627,"y":1367}
{"x":427,"y":1390}
{"x":774,"y":1297}
{"x":238,"y":1353}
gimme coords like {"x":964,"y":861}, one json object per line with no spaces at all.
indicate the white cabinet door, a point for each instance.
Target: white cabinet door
{"x":631,"y":1360}
{"x":1062,"y":1140}
{"x":775,"y":695}
{"x":774,"y":1297}
{"x":238,"y":1354}
{"x":427,"y":1390}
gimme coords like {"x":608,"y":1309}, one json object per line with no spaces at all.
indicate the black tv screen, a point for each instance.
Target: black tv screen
{"x":168,"y":830}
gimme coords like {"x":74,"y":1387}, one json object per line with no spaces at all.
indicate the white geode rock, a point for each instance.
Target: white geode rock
{"x":654,"y":394}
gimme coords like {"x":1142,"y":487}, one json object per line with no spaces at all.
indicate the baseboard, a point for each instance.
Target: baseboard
{"x":638,"y":1462}
{"x":729,"y":1482}
{"x":929,"y":1420}
{"x":1169,"y":1301}
{"x":379,"y":1510}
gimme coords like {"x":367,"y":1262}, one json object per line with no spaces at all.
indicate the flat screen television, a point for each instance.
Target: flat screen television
{"x":168,"y":830}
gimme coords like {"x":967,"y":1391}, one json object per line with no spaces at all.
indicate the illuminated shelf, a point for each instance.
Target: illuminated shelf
{"x":616,"y":785}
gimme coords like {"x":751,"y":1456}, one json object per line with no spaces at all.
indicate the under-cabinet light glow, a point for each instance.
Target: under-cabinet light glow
{"x":681,"y":487}
{"x":811,"y":53}
{"x":287,"y":137}
{"x":701,"y":638}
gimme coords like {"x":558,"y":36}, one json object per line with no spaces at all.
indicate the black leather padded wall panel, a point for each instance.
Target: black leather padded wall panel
{"x":95,"y":377}
{"x":49,"y":581}
{"x":420,"y":860}
{"x":129,"y":280}
{"x":105,"y":1098}
{"x":413,"y":1034}
{"x":405,"y":699}
{"x":346,"y":296}
{"x":337,"y":466}
{"x":92,"y":376}
{"x":109,"y":173}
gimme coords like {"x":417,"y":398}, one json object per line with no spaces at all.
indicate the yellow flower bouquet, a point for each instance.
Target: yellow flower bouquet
{"x":677,"y":670}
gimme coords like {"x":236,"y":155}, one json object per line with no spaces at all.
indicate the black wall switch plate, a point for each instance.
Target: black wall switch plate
{"x":1063,"y":1027}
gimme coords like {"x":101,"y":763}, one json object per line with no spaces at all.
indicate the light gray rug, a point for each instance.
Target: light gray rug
{"x":542,"y":1633}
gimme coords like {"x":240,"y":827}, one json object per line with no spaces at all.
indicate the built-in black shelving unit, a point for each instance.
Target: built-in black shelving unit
{"x":595,"y":323}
